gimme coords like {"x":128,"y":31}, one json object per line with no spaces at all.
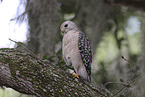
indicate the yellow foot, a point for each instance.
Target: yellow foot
{"x":75,"y":75}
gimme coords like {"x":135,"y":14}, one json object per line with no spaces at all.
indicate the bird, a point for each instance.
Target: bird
{"x":76,"y":50}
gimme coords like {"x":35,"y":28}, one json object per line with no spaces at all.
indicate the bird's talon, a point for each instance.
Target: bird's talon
{"x":75,"y":75}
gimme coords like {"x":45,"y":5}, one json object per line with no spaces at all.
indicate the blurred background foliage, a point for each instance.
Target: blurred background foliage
{"x":116,"y":33}
{"x":8,"y":92}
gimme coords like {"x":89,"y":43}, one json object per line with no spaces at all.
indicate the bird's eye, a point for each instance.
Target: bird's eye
{"x":65,"y":25}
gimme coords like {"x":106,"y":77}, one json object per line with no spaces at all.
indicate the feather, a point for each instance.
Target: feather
{"x":85,"y":51}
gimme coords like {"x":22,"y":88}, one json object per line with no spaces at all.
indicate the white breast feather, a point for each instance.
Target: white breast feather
{"x":71,"y":52}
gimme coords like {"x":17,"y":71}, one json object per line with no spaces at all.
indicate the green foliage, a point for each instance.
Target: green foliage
{"x":51,"y":58}
{"x":44,"y":57}
{"x":121,"y":80}
{"x":107,"y":50}
{"x":59,"y":52}
{"x":128,"y":86}
{"x":8,"y":92}
{"x":121,"y":96}
{"x":134,"y":42}
{"x":125,"y":69}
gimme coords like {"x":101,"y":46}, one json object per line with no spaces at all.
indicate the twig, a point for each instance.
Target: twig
{"x":24,"y":13}
{"x":125,"y":59}
{"x":25,"y":48}
{"x":97,"y":90}
{"x":104,"y":88}
{"x":125,"y":86}
{"x":114,"y":83}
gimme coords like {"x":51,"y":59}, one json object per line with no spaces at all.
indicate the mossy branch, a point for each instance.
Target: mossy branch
{"x":29,"y":75}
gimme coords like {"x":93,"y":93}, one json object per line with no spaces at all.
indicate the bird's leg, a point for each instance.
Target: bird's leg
{"x":76,"y":75}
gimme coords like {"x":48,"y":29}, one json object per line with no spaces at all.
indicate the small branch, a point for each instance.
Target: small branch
{"x":104,"y":88}
{"x":24,"y":13}
{"x":125,"y":59}
{"x":118,"y":91}
{"x":125,"y":85}
{"x":114,"y":83}
{"x":22,"y":45}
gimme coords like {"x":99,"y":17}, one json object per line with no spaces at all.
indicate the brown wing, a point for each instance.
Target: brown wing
{"x":85,"y":51}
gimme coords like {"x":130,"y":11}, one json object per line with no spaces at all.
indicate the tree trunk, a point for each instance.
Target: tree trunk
{"x":93,"y":19}
{"x":139,"y":4}
{"x":43,"y":19}
{"x":141,"y":61}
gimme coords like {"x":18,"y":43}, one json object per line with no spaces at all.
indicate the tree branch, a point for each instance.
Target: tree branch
{"x":139,"y":4}
{"x":28,"y":75}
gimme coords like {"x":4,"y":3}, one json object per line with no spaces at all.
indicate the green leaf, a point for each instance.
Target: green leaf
{"x":121,"y":96}
{"x":44,"y":57}
{"x":128,"y":86}
{"x":51,"y":58}
{"x":59,"y":52}
{"x":121,"y":80}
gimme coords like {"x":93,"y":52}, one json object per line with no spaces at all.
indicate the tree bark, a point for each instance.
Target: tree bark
{"x":93,"y":19}
{"x":43,"y":20}
{"x":28,"y":75}
{"x":139,"y":4}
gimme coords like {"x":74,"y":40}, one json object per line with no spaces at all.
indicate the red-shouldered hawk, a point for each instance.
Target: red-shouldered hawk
{"x":76,"y":50}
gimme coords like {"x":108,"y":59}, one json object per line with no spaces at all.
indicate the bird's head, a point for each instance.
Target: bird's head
{"x":68,"y":26}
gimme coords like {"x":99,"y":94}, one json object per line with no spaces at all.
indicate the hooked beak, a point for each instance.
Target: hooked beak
{"x":62,"y":30}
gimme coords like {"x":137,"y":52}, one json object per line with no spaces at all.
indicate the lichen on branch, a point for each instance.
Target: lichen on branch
{"x":30,"y":75}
